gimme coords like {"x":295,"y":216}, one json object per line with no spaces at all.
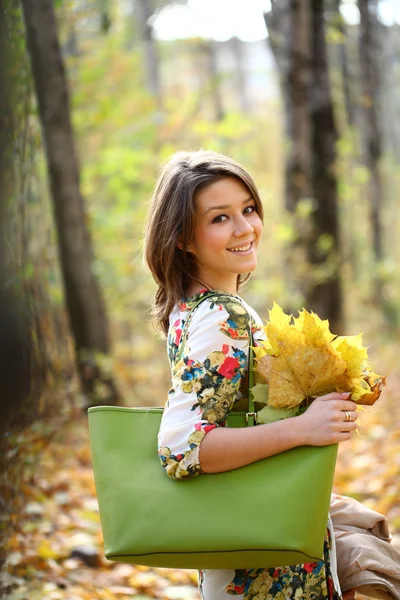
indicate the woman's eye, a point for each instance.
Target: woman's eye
{"x":247,"y":211}
{"x":252,"y":209}
{"x":217,"y":219}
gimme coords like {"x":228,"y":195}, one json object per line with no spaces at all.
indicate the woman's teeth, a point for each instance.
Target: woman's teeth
{"x":241,"y":248}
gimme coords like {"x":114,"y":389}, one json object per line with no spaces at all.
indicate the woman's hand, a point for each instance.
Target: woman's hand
{"x":324,"y":422}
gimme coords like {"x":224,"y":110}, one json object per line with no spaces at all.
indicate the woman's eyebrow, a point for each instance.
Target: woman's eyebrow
{"x":224,"y":206}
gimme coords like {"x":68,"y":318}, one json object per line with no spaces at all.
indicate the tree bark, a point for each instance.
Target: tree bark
{"x":389,"y":42}
{"x":344,"y":64}
{"x":151,"y":64}
{"x":278,"y":24}
{"x":370,"y":79}
{"x":241,"y":75}
{"x":213,"y":79}
{"x":297,"y":38}
{"x":84,"y":301}
{"x":325,"y":297}
{"x":289,"y":30}
{"x":298,"y":174}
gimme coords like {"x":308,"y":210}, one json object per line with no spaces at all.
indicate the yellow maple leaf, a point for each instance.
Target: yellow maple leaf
{"x":301,"y":360}
{"x":313,"y":327}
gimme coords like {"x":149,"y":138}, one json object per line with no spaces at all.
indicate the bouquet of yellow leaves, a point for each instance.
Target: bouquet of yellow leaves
{"x":300,"y":359}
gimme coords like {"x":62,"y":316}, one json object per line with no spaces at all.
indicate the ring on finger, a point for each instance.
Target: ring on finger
{"x":348,"y":416}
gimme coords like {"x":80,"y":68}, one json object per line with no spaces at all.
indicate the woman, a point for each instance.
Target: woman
{"x":203,"y":231}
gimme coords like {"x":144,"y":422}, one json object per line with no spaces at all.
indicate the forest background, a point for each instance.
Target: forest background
{"x":95,"y":95}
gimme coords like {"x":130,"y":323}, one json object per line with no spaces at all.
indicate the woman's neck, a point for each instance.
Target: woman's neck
{"x":195,"y":288}
{"x":211,"y":281}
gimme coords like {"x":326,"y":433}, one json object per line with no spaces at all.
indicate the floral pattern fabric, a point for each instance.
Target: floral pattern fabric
{"x":208,"y":375}
{"x":209,"y":379}
{"x":312,"y":581}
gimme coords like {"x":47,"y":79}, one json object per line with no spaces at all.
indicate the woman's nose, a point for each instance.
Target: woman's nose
{"x":242,"y":227}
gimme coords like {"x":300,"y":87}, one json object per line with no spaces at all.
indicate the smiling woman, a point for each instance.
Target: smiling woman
{"x":226,"y":234}
{"x":180,"y":227}
{"x":202,"y":235}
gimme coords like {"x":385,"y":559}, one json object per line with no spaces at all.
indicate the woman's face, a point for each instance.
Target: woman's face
{"x":227,"y":233}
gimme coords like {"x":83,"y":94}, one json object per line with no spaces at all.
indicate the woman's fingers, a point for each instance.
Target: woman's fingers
{"x":335,"y":396}
{"x":349,"y":415}
{"x":350,"y":426}
{"x":329,"y":419}
{"x":347,"y":405}
{"x":341,"y":398}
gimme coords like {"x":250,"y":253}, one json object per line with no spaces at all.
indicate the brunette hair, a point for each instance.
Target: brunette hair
{"x":171,"y":218}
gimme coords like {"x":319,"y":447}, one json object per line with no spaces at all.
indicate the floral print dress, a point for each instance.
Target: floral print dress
{"x":209,"y":379}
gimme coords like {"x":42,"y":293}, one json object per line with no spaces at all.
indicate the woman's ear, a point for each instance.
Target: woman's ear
{"x":179,"y":244}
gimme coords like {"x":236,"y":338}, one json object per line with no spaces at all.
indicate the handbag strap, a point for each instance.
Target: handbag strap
{"x":251,"y":414}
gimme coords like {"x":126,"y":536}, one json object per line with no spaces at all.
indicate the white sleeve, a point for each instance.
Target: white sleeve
{"x":205,"y":383}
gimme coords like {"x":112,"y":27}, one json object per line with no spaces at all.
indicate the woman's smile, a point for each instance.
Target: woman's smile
{"x":243,"y":249}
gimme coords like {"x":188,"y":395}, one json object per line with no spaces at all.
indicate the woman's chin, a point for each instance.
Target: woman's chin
{"x":249,"y":268}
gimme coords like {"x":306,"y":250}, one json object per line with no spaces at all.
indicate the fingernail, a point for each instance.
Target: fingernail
{"x":345,"y":393}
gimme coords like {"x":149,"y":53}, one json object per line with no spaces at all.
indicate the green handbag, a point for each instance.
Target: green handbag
{"x":268,"y":514}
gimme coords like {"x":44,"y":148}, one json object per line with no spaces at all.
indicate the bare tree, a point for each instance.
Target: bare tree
{"x":289,"y":27}
{"x":325,"y":296}
{"x":212,"y":79}
{"x":16,"y":349}
{"x":389,"y":42}
{"x":84,"y":301}
{"x":347,"y":78}
{"x":144,"y":11}
{"x":370,"y":79}
{"x":240,"y":74}
{"x":297,"y":37}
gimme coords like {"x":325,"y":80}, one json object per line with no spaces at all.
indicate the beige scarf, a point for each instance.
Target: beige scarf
{"x":366,"y":560}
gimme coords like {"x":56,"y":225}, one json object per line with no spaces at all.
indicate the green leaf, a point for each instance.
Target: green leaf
{"x":270,"y":414}
{"x":260,"y":393}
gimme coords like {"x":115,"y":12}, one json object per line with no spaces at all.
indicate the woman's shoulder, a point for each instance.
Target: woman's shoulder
{"x":229,"y":312}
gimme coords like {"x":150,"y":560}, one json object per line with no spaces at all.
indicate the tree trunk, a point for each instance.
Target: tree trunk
{"x":290,"y":45}
{"x":15,"y":350}
{"x":144,"y":11}
{"x":289,"y":29}
{"x":344,"y":64}
{"x":213,"y":80}
{"x":83,"y":296}
{"x":298,"y":175}
{"x":370,"y":79}
{"x":297,"y":37}
{"x":389,"y":41}
{"x":241,"y":75}
{"x":278,"y":23}
{"x":325,"y":296}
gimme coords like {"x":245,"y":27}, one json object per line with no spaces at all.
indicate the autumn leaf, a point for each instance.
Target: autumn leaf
{"x":270,"y":414}
{"x":301,"y":359}
{"x":260,"y":393}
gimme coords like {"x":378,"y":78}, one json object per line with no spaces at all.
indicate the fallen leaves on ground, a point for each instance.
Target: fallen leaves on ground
{"x":55,"y":550}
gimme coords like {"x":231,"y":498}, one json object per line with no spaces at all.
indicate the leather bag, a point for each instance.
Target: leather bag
{"x":268,"y":514}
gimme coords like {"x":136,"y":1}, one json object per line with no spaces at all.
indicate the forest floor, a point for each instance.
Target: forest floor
{"x":55,"y":549}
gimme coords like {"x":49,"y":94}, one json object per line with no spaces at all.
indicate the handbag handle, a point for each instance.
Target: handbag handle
{"x":251,"y":415}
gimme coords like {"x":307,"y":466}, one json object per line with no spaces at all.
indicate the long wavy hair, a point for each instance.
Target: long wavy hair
{"x":171,"y":218}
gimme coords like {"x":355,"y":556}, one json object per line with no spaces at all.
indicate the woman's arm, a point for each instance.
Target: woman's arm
{"x":322,"y":424}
